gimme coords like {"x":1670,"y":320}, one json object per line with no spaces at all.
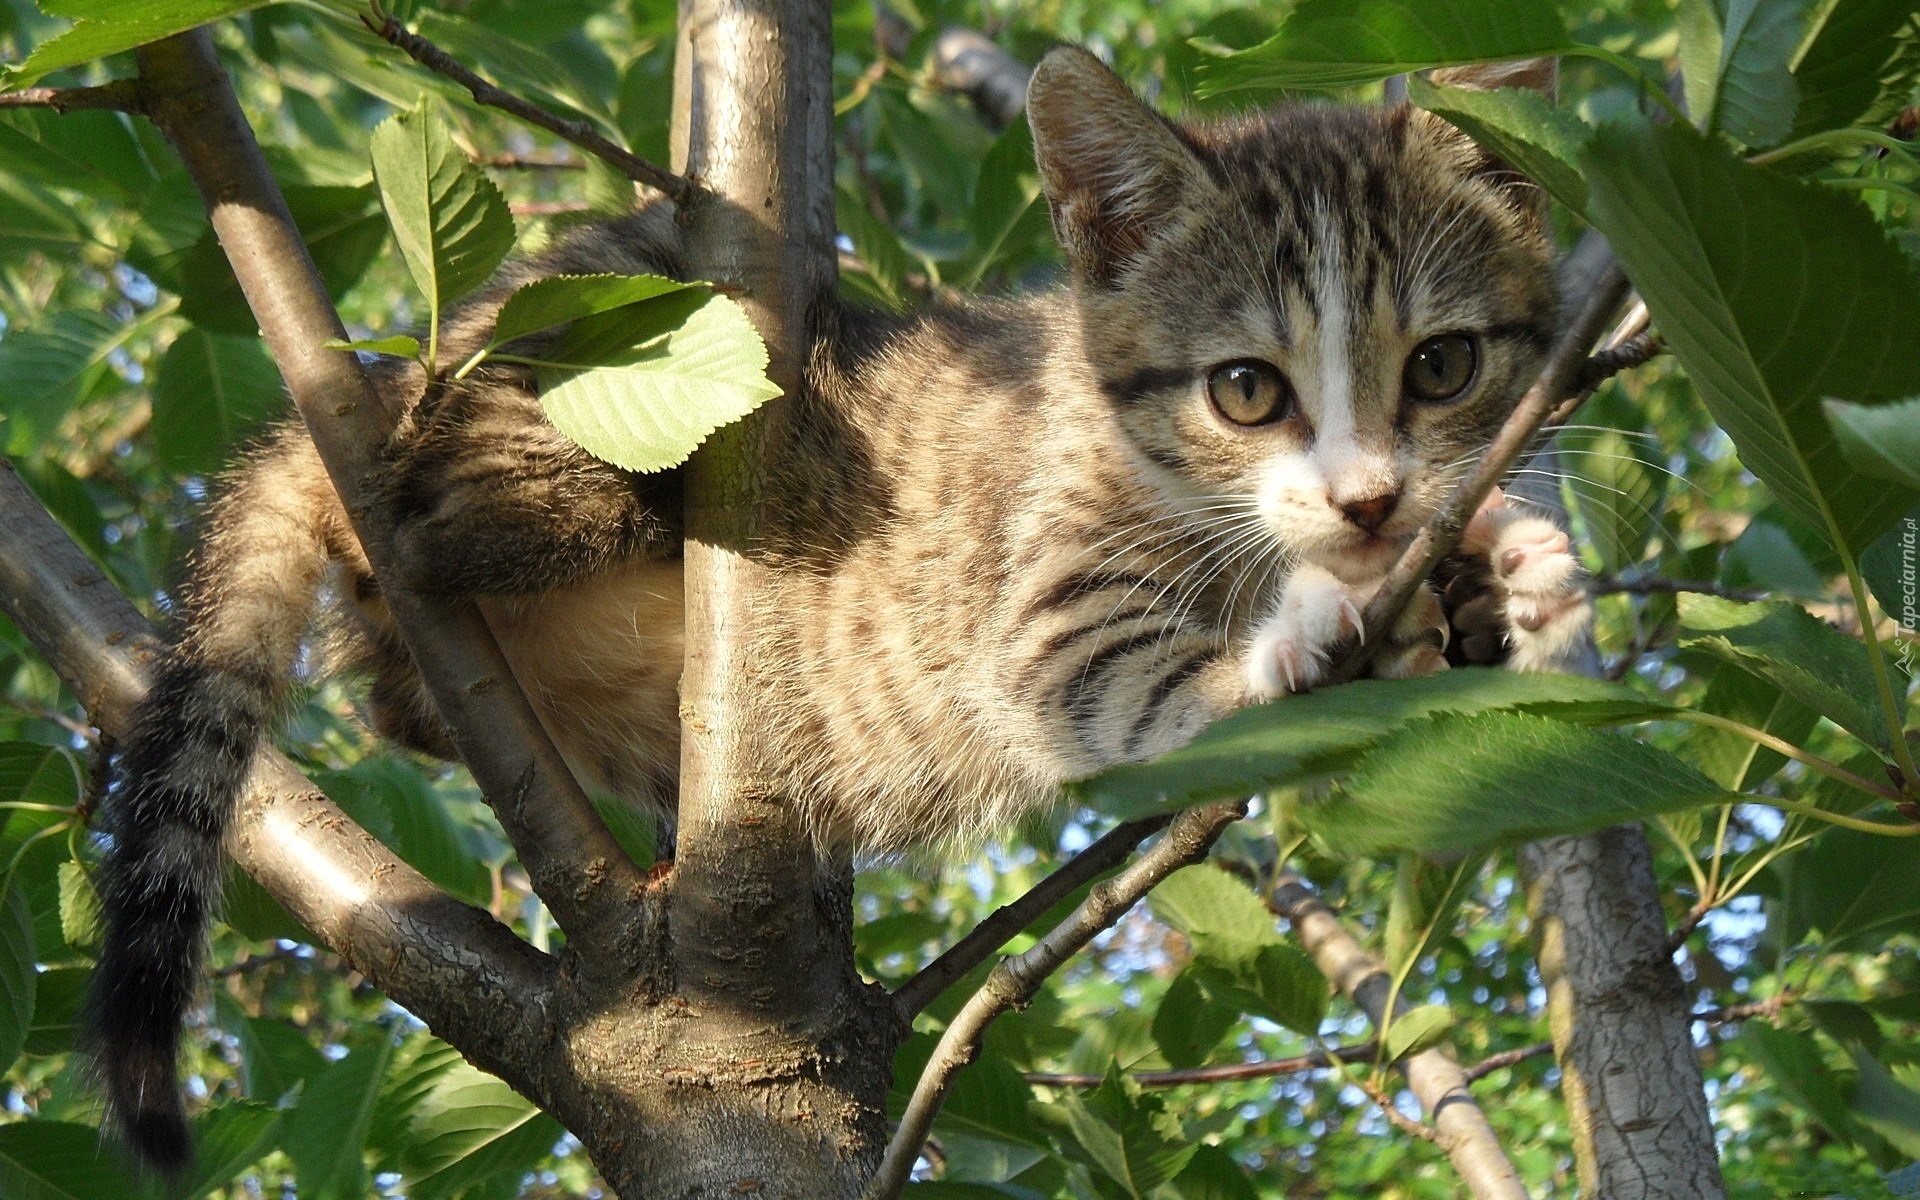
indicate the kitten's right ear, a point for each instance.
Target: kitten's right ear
{"x":1533,"y":74}
{"x":1114,"y":169}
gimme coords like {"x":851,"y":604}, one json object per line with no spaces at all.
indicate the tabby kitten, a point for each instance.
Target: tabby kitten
{"x":1018,"y":540}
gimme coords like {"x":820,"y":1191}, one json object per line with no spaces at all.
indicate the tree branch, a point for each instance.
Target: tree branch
{"x":1437,"y":1081}
{"x":1013,"y":982}
{"x":569,"y":855}
{"x":1008,"y":920}
{"x":456,"y":968}
{"x":1317,"y":1060}
{"x":387,"y":27}
{"x":121,"y":95}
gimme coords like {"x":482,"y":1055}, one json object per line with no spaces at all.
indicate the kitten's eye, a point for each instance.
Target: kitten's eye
{"x":1250,"y":392}
{"x":1440,"y":368}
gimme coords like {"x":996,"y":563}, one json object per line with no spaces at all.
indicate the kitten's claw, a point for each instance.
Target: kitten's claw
{"x":1289,"y":651}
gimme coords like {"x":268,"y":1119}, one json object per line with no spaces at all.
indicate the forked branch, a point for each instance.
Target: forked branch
{"x":1015,"y":980}
{"x":1460,"y":1127}
{"x":451,"y":964}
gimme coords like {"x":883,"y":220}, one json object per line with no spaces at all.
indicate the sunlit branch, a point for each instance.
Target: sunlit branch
{"x":121,"y":95}
{"x":1436,"y":1080}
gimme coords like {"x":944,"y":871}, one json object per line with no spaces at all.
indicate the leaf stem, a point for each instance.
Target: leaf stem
{"x":1815,"y":813}
{"x":1877,"y":659}
{"x":1782,"y":746}
{"x":1625,"y":65}
{"x":1819,"y":141}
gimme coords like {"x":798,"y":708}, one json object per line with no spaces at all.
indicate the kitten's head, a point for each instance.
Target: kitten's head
{"x":1326,"y":311}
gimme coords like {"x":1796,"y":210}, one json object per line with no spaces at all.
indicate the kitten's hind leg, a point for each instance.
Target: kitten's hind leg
{"x":490,"y":499}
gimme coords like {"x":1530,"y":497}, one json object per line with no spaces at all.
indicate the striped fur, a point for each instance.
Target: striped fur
{"x":1017,"y":543}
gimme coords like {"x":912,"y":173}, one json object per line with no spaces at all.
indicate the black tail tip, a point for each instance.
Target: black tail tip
{"x":160,"y":1141}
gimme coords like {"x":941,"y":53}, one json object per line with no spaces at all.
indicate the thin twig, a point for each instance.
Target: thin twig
{"x":1648,"y":585}
{"x":1399,"y":1120}
{"x":121,"y":95}
{"x":1317,"y":1060}
{"x":1436,"y":1080}
{"x":1013,"y":982}
{"x":1007,"y":921}
{"x":1729,"y":1015}
{"x":580,"y":133}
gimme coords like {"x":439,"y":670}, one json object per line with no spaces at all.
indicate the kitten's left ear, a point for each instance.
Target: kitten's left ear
{"x":1532,"y":74}
{"x":1115,"y":171}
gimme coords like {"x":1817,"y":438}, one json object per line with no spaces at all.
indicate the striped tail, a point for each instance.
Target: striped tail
{"x":246,"y":607}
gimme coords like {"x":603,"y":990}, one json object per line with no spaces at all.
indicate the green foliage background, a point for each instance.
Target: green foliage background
{"x":1768,"y":458}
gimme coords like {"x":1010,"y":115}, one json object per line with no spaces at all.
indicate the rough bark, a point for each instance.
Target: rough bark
{"x":1631,"y":1075}
{"x":779,"y":1085}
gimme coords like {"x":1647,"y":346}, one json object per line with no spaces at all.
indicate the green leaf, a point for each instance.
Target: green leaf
{"x":471,"y":1127}
{"x":326,"y":1135}
{"x":1737,"y":763}
{"x":1892,"y":569}
{"x":111,"y":26}
{"x":561,"y":299}
{"x":1522,"y":127}
{"x":1128,"y":1134}
{"x":1856,"y":889}
{"x":48,"y":368}
{"x":1417,"y":1029}
{"x":398,"y":345}
{"x":1214,"y":910}
{"x":392,"y":796}
{"x":1450,"y":783}
{"x":17,"y":976}
{"x":1336,"y":43}
{"x":1615,"y":484}
{"x":1299,"y":739}
{"x":80,"y":919}
{"x":1844,"y":71}
{"x":341,"y":226}
{"x":1714,"y":244}
{"x":1881,"y":440}
{"x":53,"y":1160}
{"x":1187,"y":1025}
{"x":1239,"y":958}
{"x":58,"y":994}
{"x":1887,"y":1105}
{"x":1213,"y":1174}
{"x":1009,"y":218}
{"x":515,"y":65}
{"x":633,"y":827}
{"x":275,"y":1057}
{"x":1278,"y":983}
{"x":1795,"y":651}
{"x":211,"y":392}
{"x":1755,"y":94}
{"x":877,"y":247}
{"x":449,"y":220}
{"x":696,"y":364}
{"x":1795,"y":1066}
{"x":91,"y":152}
{"x":232,"y":1136}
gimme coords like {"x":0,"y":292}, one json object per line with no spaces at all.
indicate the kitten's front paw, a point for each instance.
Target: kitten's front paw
{"x":1535,"y":606}
{"x":1289,"y":650}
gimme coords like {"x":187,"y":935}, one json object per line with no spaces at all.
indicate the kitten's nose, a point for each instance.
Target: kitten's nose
{"x":1370,"y":514}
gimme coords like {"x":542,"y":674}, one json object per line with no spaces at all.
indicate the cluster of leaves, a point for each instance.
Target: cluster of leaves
{"x":1770,"y":238}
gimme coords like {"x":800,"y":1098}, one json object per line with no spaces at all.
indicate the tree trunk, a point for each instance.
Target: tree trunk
{"x":1619,"y":1012}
